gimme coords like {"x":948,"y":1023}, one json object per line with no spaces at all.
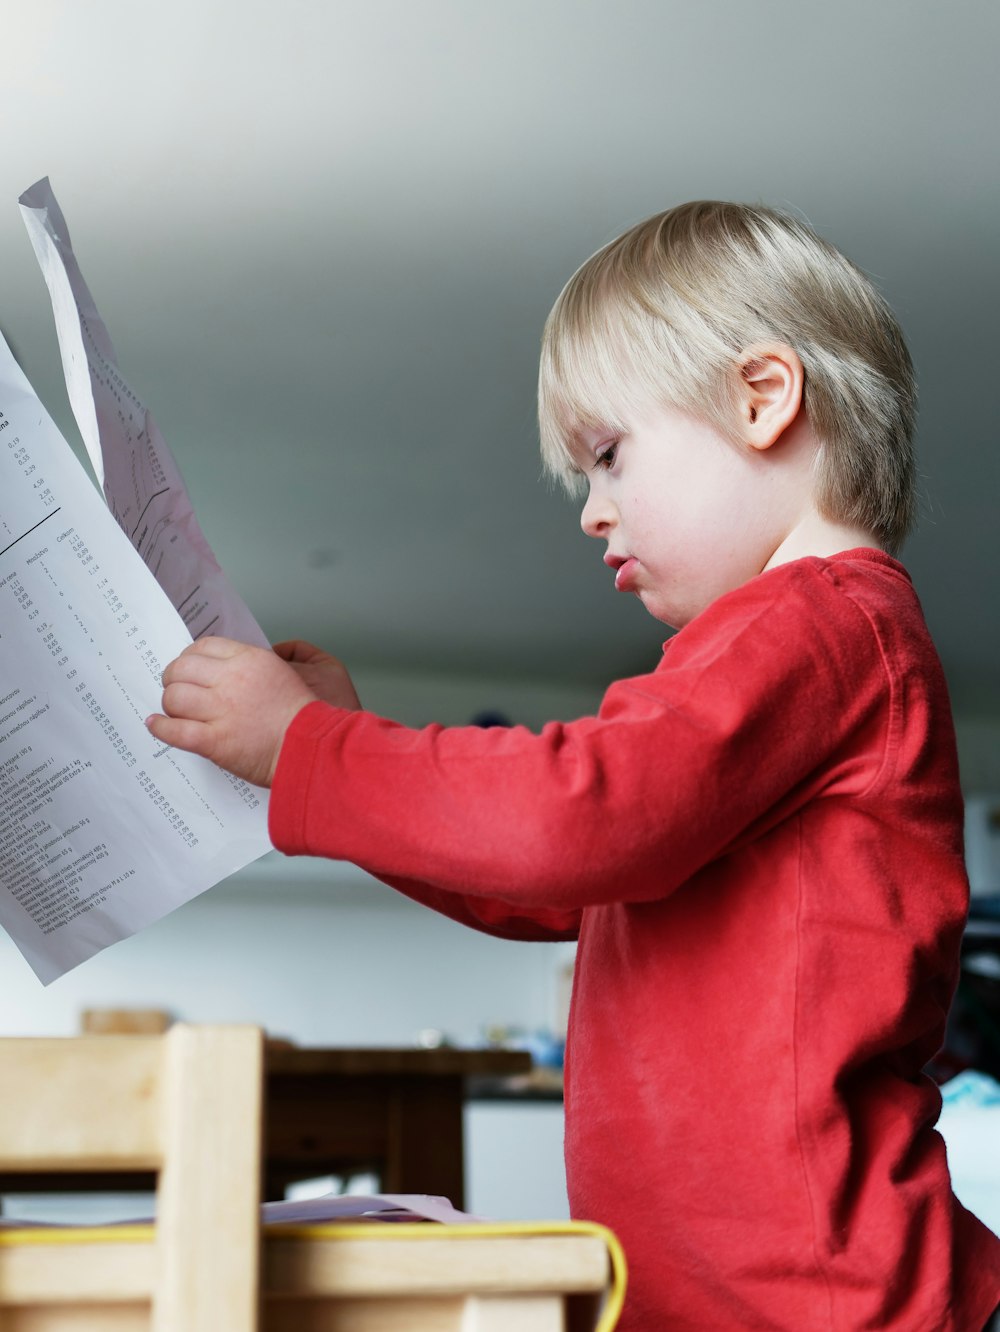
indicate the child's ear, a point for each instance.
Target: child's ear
{"x":769,"y":392}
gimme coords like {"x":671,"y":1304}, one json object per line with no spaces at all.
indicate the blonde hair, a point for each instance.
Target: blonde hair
{"x":665,"y":312}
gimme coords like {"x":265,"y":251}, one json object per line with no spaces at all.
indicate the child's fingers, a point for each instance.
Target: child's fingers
{"x":191,"y":701}
{"x":201,"y":660}
{"x":297,"y":650}
{"x":193,"y":670}
{"x":179,"y":733}
{"x":205,"y":661}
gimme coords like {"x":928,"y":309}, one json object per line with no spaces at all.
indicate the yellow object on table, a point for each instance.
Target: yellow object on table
{"x":375,"y":1277}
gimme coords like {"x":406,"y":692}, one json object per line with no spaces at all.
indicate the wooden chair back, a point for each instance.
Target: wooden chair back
{"x":187,"y":1105}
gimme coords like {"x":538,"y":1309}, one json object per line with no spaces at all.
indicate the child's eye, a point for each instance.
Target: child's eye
{"x":606,"y":457}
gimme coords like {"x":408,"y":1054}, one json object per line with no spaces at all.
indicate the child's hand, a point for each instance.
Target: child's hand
{"x":232,"y":704}
{"x":325,"y":675}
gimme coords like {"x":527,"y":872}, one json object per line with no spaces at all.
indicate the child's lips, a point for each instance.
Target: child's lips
{"x":626,"y":567}
{"x":625,"y":577}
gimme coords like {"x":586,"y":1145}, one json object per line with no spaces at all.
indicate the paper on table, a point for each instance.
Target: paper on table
{"x":102,"y":829}
{"x":386,"y":1207}
{"x":141,"y":480}
{"x":375,"y":1206}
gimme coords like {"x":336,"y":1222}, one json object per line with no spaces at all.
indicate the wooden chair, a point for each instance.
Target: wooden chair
{"x":187,"y":1105}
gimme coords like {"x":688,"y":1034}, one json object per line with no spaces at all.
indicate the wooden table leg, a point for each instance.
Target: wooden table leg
{"x":425,"y":1146}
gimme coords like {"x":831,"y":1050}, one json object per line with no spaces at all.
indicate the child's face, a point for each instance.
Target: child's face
{"x":686,"y":513}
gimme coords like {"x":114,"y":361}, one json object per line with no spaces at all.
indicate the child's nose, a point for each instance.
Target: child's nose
{"x":598,"y":515}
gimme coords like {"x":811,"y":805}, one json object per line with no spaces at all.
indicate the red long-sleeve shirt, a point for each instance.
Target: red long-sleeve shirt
{"x":759,"y":847}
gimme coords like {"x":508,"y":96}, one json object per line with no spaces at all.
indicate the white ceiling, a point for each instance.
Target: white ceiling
{"x":325,"y":236}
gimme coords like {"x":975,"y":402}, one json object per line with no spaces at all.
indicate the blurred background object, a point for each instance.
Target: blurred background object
{"x":124,"y":1021}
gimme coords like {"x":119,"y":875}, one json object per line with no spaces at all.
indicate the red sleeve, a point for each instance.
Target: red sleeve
{"x":514,"y":831}
{"x":504,"y":920}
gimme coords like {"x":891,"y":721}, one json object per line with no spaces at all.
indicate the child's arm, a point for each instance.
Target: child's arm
{"x":491,"y":915}
{"x":728,"y":738}
{"x":232,"y":704}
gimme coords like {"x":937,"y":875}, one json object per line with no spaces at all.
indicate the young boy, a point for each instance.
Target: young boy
{"x":758,"y":844}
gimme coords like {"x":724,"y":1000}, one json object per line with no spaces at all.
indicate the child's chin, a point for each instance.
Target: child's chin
{"x":668,"y":615}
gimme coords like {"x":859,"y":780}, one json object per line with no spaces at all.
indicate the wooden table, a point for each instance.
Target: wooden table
{"x":394,"y":1112}
{"x":397,"y":1113}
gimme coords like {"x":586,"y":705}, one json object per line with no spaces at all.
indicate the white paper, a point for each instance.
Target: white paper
{"x":378,"y":1206}
{"x":331,"y":1207}
{"x":141,"y":481}
{"x":102,"y":829}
